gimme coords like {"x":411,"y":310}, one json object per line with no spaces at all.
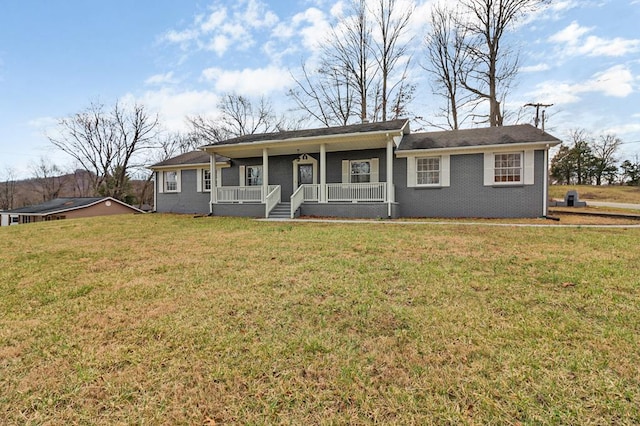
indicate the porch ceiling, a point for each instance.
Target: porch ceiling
{"x":304,"y":145}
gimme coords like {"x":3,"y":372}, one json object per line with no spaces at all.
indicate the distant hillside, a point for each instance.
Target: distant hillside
{"x":15,"y":194}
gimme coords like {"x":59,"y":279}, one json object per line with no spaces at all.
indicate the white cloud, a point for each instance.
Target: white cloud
{"x":573,"y":42}
{"x":624,"y":129}
{"x":215,"y":20}
{"x":219,"y":44}
{"x":616,"y":81}
{"x":313,"y":26}
{"x":160,"y":79}
{"x":181,"y":37}
{"x":43,"y":123}
{"x":570,"y":35}
{"x":223,"y":27}
{"x":257,"y":15}
{"x":535,"y":68}
{"x":173,"y":106}
{"x":249,"y":82}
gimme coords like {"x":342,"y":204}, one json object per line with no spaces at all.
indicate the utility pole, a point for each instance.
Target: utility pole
{"x":537,"y":107}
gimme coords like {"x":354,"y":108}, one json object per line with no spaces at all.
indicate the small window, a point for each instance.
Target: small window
{"x":254,"y":175}
{"x":508,"y":168}
{"x":171,"y":181}
{"x":206,"y":179}
{"x":428,"y":171}
{"x":360,"y":171}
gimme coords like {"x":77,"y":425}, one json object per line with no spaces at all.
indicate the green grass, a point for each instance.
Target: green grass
{"x":162,"y":319}
{"x":610,"y":193}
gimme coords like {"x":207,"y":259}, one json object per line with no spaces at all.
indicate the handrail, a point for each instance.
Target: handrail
{"x":272,"y":199}
{"x":297,"y":198}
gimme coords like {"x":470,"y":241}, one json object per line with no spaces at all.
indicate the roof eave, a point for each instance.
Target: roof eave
{"x":479,"y":148}
{"x":72,"y":208}
{"x":188,"y":166}
{"x":308,"y":140}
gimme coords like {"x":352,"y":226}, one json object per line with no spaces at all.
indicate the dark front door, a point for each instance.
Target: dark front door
{"x":305,"y":174}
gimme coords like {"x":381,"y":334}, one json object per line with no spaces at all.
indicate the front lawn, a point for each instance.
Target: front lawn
{"x":610,"y":193}
{"x":163,"y":319}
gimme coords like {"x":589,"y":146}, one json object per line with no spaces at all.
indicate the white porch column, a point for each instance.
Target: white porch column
{"x":323,"y":173}
{"x":214,"y":183}
{"x":265,"y":174}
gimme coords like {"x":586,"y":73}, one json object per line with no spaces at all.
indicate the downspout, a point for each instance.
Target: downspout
{"x":213,"y":195}
{"x":155,"y":191}
{"x":545,"y":191}
{"x":265,"y":178}
{"x":390,"y":195}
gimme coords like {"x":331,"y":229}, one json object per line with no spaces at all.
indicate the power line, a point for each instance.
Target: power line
{"x":537,"y":107}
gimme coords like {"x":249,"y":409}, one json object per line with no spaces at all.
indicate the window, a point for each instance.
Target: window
{"x":507,"y":168}
{"x":254,"y":175}
{"x":206,"y":180}
{"x":360,"y":171}
{"x":171,"y":181}
{"x":428,"y":171}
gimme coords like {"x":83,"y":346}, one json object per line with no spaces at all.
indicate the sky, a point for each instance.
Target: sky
{"x":178,"y":57}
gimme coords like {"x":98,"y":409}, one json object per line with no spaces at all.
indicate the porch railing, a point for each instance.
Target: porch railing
{"x":357,"y":191}
{"x":242,"y":194}
{"x":349,"y":192}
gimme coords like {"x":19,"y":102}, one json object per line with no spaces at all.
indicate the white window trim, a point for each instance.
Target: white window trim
{"x":527,"y":168}
{"x":163,"y":182}
{"x":308,"y":160}
{"x":243,"y":174}
{"x":445,"y":171}
{"x":200,"y":179}
{"x":374,"y":169}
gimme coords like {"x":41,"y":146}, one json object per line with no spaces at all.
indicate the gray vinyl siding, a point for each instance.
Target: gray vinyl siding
{"x":188,"y":200}
{"x":467,"y":196}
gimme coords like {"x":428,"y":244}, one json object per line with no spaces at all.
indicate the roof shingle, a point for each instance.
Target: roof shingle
{"x":323,"y":131}
{"x":522,"y":133}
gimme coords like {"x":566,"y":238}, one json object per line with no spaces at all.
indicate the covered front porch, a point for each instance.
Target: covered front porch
{"x":326,"y":172}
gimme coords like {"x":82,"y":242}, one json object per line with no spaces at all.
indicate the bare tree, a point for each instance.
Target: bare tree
{"x":48,"y":179}
{"x":445,"y":54}
{"x":82,"y":181}
{"x":328,"y":95}
{"x":106,"y":143}
{"x":342,"y":85}
{"x":363,"y":68}
{"x":207,"y":129}
{"x":390,"y":52}
{"x":238,"y":116}
{"x":604,"y":150}
{"x":490,"y":64}
{"x":8,"y":190}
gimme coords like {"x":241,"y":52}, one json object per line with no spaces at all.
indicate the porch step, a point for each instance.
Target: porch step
{"x":281,"y":211}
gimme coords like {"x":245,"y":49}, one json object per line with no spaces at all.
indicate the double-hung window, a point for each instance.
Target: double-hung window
{"x":254,"y":175}
{"x":206,"y":180}
{"x":507,"y":168}
{"x":428,"y":171}
{"x":171,"y":181}
{"x":360,"y":171}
